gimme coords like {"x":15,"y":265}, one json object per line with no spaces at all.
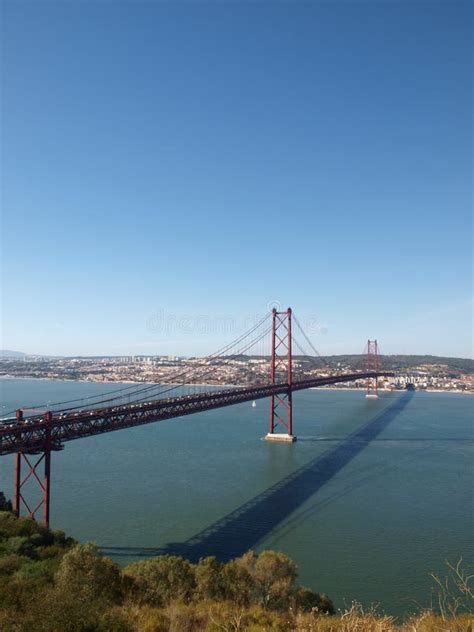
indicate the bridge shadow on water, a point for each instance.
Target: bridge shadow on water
{"x":242,"y":529}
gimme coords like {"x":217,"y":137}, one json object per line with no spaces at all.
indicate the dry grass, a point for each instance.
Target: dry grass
{"x":226,"y":617}
{"x":356,"y":620}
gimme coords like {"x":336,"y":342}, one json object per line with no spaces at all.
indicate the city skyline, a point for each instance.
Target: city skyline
{"x":197,"y":163}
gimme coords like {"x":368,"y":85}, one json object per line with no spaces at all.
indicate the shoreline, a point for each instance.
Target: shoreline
{"x":313,"y":388}
{"x":362,"y":388}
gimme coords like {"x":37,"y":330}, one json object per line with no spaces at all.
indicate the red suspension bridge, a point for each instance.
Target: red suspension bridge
{"x":33,"y":437}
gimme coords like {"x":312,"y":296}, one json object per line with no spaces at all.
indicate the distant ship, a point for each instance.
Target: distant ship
{"x":254,"y":403}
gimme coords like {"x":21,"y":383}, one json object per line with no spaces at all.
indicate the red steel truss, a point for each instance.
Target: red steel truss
{"x":372,"y":366}
{"x":33,"y":463}
{"x":30,"y":436}
{"x":281,"y":365}
{"x":33,"y":439}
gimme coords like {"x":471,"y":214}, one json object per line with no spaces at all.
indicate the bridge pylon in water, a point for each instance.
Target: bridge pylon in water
{"x":281,"y":406}
{"x":372,"y":365}
{"x":33,"y":473}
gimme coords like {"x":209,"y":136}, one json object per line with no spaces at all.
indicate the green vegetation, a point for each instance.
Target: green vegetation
{"x":453,"y":366}
{"x":441,"y":364}
{"x":50,"y":583}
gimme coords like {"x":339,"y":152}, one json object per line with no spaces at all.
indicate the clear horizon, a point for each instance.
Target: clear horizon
{"x":169,"y":170}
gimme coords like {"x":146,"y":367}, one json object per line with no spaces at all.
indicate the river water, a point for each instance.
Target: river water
{"x":373,"y":496}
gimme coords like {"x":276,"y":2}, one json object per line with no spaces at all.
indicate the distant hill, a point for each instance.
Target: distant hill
{"x":464,"y":365}
{"x":395,"y":362}
{"x":388,"y":362}
{"x":5,"y":353}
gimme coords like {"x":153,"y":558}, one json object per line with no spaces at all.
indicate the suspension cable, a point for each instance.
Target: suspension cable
{"x":182,"y":375}
{"x":137,"y":391}
{"x":310,"y":343}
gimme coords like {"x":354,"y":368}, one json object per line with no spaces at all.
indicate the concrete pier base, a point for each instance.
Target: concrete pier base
{"x":280,"y":437}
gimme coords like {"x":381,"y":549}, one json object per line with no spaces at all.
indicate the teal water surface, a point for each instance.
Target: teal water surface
{"x":373,"y":496}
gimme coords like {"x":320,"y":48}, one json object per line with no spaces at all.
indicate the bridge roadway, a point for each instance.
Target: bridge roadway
{"x":34,"y":434}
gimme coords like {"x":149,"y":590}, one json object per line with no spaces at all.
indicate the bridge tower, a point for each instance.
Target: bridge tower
{"x":372,"y":365}
{"x":33,"y":462}
{"x":281,"y":368}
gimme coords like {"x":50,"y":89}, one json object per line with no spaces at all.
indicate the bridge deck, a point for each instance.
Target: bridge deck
{"x":31,"y":435}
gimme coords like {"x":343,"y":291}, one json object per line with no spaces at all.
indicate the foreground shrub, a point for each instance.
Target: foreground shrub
{"x":209,"y":579}
{"x":306,"y":600}
{"x":86,"y":574}
{"x":10,"y":563}
{"x":237,"y":582}
{"x":160,"y":580}
{"x":269,"y":580}
{"x":145,"y":618}
{"x":275,"y":577}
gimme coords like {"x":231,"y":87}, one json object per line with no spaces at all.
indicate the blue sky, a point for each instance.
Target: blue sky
{"x":166,"y":165}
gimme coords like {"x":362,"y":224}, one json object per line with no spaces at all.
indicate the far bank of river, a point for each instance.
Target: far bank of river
{"x":131,"y":382}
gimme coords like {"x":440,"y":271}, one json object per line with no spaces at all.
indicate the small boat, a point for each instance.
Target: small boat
{"x":254,"y":403}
